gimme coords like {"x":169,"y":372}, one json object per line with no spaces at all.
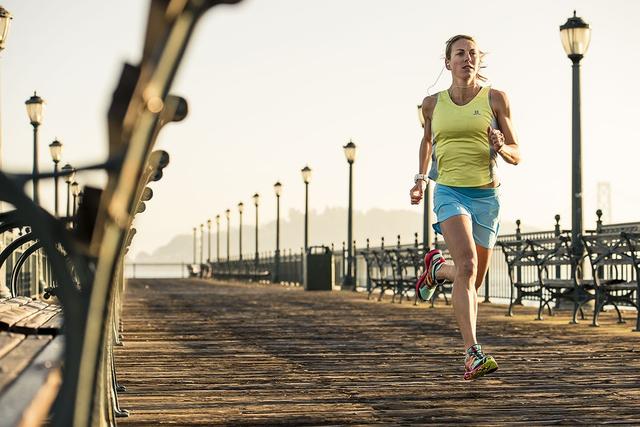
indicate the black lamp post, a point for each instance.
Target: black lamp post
{"x":426,"y":215}
{"x":218,"y":237}
{"x":208,"y":240}
{"x":256,"y":201}
{"x":350,"y":154}
{"x":56,"y":153}
{"x":75,"y":190}
{"x":240,"y":210}
{"x":5,"y":23}
{"x":228,"y":215}
{"x":34,"y":110}
{"x":201,"y":244}
{"x":69,"y":177}
{"x":306,"y":177}
{"x":575,"y":35}
{"x":277,"y":187}
{"x":194,"y":246}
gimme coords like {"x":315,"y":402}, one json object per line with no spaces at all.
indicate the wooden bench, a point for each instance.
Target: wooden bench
{"x":408,"y":264}
{"x":614,"y":266}
{"x":240,"y":270}
{"x":397,"y":269}
{"x":544,"y":270}
{"x":560,"y":275}
{"x":381,"y":274}
{"x":633,"y":242}
{"x":86,"y":260}
{"x":31,"y":352}
{"x":518,"y":255}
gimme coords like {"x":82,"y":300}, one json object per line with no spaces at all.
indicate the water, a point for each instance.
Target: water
{"x":155,"y":270}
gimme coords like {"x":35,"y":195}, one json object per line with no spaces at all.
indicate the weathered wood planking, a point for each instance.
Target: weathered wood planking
{"x":27,"y":316}
{"x":14,"y":361}
{"x":198,"y":352}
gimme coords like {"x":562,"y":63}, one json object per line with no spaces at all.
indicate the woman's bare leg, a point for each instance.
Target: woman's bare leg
{"x":448,"y":272}
{"x":458,"y":235}
{"x":484,"y":256}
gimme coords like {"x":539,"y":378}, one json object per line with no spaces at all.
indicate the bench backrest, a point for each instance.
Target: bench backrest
{"x":609,"y":255}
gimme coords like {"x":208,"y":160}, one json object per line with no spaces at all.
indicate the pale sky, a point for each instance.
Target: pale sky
{"x":273,"y":85}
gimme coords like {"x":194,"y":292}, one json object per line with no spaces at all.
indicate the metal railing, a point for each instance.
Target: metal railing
{"x":497,"y":284}
{"x":26,"y":272}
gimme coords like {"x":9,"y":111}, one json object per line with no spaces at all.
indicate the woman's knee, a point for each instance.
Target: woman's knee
{"x":467,"y":267}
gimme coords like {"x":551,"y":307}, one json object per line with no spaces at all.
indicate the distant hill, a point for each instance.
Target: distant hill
{"x":325,"y":228}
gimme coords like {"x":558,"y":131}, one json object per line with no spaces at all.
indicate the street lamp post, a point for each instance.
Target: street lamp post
{"x":218,"y":238}
{"x":69,"y":177}
{"x":201,"y":245}
{"x":277,"y":187}
{"x":256,"y":201}
{"x":228,"y":215}
{"x":306,"y":177}
{"x":240,"y":210}
{"x":34,"y":110}
{"x":350,"y":154}
{"x":575,"y":35}
{"x":209,"y":240}
{"x":5,"y":23}
{"x":56,"y":153}
{"x":75,"y":190}
{"x":426,"y":215}
{"x":194,"y":246}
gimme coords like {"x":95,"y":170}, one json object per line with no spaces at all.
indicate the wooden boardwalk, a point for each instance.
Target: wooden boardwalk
{"x":199,"y":352}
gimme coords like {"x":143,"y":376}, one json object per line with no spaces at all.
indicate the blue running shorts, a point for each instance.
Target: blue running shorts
{"x":482,"y":205}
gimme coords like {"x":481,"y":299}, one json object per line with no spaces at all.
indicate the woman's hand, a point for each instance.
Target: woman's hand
{"x":416,"y":193}
{"x":496,"y":139}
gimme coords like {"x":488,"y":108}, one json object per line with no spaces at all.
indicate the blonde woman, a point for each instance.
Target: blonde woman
{"x":467,"y":127}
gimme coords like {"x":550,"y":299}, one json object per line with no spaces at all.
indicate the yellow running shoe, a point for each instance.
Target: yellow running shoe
{"x":477,"y":364}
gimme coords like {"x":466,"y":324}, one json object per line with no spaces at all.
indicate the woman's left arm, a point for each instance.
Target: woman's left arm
{"x":507,"y":145}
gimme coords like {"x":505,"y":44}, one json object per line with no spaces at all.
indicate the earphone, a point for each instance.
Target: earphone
{"x":437,"y":79}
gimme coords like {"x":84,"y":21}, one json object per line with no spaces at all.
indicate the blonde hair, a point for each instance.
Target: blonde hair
{"x":449,"y":46}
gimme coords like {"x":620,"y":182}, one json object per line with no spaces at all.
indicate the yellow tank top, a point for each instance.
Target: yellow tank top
{"x":462,"y":155}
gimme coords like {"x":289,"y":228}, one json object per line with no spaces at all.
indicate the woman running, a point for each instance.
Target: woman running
{"x":466,"y":127}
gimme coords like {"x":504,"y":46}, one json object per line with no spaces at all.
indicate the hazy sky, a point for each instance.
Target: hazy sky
{"x":273,"y":85}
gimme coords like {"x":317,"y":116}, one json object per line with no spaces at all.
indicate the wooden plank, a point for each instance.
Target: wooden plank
{"x":11,"y":303}
{"x":14,"y":362}
{"x":205,"y":352}
{"x":10,"y":317}
{"x":27,"y":400}
{"x":32,"y":324}
{"x":20,"y":314}
{"x":54,"y":325}
{"x":19,"y":300}
{"x":8,"y":341}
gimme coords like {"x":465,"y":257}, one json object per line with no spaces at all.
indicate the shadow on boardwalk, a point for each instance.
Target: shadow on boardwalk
{"x":198,"y":352}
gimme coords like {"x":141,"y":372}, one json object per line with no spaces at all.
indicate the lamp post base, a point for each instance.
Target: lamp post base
{"x":348,"y":284}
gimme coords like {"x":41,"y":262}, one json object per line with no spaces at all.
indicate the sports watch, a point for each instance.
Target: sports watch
{"x":420,"y":176}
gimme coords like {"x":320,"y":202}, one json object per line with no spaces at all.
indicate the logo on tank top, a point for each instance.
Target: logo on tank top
{"x":476,"y":113}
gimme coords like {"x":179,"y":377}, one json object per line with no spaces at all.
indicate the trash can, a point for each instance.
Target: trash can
{"x":318,"y":269}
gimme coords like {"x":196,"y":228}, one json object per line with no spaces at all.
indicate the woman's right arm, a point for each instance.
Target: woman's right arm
{"x":425,"y":148}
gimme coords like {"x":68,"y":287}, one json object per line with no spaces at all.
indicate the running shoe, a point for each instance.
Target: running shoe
{"x":477,"y":364}
{"x":427,"y":283}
